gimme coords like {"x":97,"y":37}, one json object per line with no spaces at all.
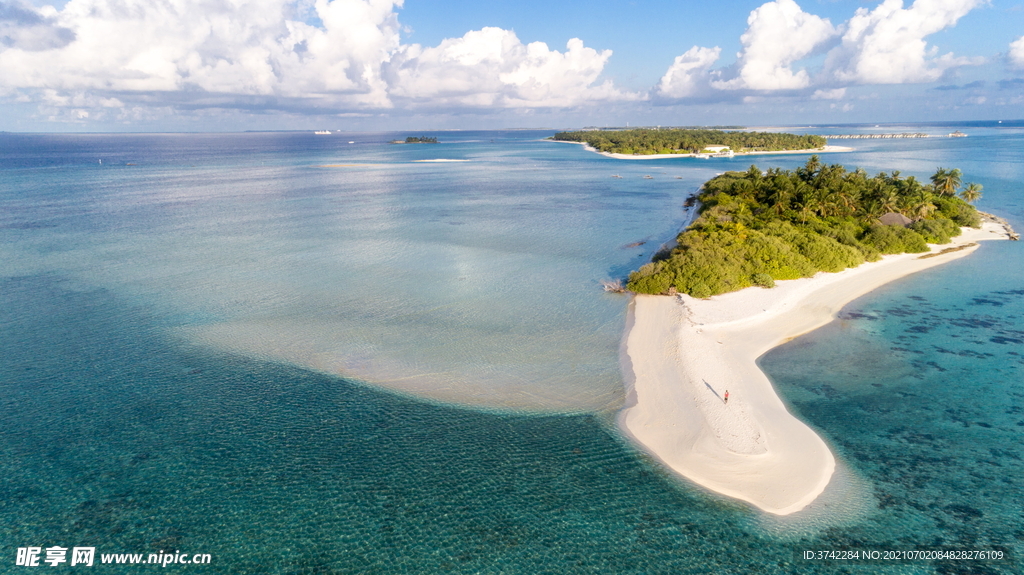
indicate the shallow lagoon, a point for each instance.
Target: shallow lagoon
{"x":125,"y":429}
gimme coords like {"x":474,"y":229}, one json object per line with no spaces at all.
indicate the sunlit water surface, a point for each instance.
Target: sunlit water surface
{"x":188,"y":329}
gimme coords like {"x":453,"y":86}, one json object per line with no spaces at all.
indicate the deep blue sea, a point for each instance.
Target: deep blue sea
{"x":303,"y":353}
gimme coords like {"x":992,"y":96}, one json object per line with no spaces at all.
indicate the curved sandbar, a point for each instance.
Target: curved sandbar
{"x":681,"y":354}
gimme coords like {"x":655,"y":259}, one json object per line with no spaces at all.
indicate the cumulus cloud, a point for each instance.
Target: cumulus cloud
{"x":834,"y":94}
{"x":222,"y":46}
{"x":778,"y":34}
{"x":120,"y":58}
{"x":239,"y":53}
{"x":25,"y":28}
{"x":688,"y":74}
{"x":80,"y":107}
{"x":491,"y":67}
{"x":887,"y":45}
{"x":1016,"y":54}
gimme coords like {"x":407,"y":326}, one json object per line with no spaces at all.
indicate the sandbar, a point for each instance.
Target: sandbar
{"x":440,"y":160}
{"x":681,"y":354}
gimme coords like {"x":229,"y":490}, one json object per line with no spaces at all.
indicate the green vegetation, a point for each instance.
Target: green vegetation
{"x":619,"y":128}
{"x":421,"y":140}
{"x":971,"y":193}
{"x":755,"y":228}
{"x":646,"y":142}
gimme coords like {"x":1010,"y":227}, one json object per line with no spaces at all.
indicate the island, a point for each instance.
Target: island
{"x":705,"y":143}
{"x":755,"y":228}
{"x":772,"y":255}
{"x":416,"y":140}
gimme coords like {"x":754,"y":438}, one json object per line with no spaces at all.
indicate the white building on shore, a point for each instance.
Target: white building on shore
{"x":716,"y":152}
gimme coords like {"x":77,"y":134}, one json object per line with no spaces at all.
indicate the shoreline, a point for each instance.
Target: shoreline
{"x":680,"y":354}
{"x":589,"y":148}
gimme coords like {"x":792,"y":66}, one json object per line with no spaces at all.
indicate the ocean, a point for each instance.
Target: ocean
{"x":303,"y":353}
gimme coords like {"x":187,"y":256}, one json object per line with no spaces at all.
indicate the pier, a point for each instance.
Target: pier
{"x":872,"y":136}
{"x":956,"y":134}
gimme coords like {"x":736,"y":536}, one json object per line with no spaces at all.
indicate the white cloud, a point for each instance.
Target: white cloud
{"x":25,"y":28}
{"x":778,"y":34}
{"x":886,"y":45}
{"x":1016,"y":53}
{"x":229,"y":53}
{"x":493,"y":68}
{"x":221,"y":46}
{"x":881,"y":46}
{"x":688,"y":74}
{"x":82,"y":106}
{"x":834,"y":94}
{"x":116,"y":59}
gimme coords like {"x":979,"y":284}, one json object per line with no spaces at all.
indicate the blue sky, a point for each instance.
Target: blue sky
{"x":136,"y":65}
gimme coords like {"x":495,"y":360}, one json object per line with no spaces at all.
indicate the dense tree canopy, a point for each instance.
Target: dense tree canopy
{"x":645,"y":142}
{"x":756,"y":227}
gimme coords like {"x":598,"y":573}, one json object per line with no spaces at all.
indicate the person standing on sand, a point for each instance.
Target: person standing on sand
{"x":727,"y":396}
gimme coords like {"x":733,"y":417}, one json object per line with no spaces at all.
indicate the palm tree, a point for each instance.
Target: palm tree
{"x":937,"y":177}
{"x":947,"y":182}
{"x":925,"y":209}
{"x":808,"y":200}
{"x":890,"y":200}
{"x":922,"y":202}
{"x":849,"y":198}
{"x":971,"y":193}
{"x":781,"y":196}
{"x":873,"y":208}
{"x":745,"y":188}
{"x":831,"y":203}
{"x":810,"y":169}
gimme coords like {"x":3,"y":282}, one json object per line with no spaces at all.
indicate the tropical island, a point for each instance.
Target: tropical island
{"x":697,"y":400}
{"x":755,"y":228}
{"x":647,"y":142}
{"x":416,"y":140}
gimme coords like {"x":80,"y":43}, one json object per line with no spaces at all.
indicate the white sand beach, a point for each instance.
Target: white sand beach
{"x":439,"y":160}
{"x":825,"y":150}
{"x":681,"y":354}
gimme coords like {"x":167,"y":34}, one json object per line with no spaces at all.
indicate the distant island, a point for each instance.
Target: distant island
{"x":416,"y":140}
{"x":646,"y":142}
{"x":756,"y":227}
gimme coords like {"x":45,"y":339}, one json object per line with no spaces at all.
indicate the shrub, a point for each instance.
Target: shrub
{"x":967,"y":216}
{"x":700,"y":290}
{"x":758,"y":227}
{"x":894,"y":240}
{"x":649,"y":279}
{"x":936,"y":231}
{"x":962,"y":213}
{"x":826,"y":254}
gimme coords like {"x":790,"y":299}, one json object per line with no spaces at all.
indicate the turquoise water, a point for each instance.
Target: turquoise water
{"x":159,"y":392}
{"x":473,"y":282}
{"x":924,"y":398}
